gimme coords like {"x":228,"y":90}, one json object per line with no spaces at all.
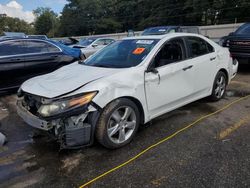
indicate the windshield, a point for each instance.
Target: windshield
{"x":158,"y":31}
{"x":122,"y":54}
{"x":244,"y":30}
{"x":86,"y":42}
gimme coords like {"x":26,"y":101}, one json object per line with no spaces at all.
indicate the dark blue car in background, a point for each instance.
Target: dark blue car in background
{"x":23,"y":58}
{"x":238,"y":43}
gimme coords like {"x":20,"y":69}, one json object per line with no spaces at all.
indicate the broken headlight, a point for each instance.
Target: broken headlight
{"x":61,"y":106}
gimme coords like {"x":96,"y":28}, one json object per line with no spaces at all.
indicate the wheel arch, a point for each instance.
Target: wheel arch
{"x":226,"y":73}
{"x":137,"y":103}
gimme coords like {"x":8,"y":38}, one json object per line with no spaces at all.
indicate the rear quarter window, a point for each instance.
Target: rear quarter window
{"x":199,"y":47}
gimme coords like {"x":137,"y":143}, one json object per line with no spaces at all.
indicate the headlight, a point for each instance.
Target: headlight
{"x":65,"y":105}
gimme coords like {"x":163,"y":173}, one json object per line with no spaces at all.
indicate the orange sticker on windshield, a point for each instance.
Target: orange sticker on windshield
{"x":138,"y":51}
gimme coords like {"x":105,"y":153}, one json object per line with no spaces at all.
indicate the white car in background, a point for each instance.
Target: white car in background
{"x":91,"y":45}
{"x":128,"y":83}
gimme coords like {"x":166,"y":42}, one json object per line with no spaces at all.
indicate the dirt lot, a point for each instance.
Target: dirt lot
{"x":213,"y":153}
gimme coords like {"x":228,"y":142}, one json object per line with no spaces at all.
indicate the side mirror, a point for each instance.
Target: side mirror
{"x":94,"y":45}
{"x":231,"y":33}
{"x":152,"y":70}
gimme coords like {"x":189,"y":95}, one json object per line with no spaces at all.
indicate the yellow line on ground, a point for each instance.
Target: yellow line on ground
{"x":162,"y":141}
{"x":233,"y":128}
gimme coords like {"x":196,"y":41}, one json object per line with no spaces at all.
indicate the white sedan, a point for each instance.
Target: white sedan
{"x":91,"y":45}
{"x":128,"y":83}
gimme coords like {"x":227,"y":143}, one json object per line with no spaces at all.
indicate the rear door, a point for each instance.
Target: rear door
{"x":205,"y":61}
{"x":41,"y":57}
{"x":11,"y":63}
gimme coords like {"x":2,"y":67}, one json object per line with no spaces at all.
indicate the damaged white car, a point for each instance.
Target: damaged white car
{"x":126,"y":84}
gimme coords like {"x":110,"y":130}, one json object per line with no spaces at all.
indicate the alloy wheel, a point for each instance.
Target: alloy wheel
{"x":220,"y":87}
{"x":121,"y":124}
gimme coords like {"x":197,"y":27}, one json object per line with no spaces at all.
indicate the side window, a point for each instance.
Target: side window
{"x":100,"y":42}
{"x":108,"y":41}
{"x":198,"y":46}
{"x":12,"y":47}
{"x":173,"y":51}
{"x":40,"y":47}
{"x":52,"y":48}
{"x":210,"y":48}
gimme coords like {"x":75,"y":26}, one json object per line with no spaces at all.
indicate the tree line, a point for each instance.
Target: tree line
{"x":84,"y":17}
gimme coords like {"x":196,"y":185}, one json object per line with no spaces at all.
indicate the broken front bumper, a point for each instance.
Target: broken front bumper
{"x":71,"y":130}
{"x":31,"y":119}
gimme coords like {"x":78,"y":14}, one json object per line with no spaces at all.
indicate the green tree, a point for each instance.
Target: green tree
{"x":15,"y":25}
{"x":46,"y":22}
{"x":83,"y":17}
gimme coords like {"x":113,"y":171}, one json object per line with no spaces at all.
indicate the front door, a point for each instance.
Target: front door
{"x":169,"y":79}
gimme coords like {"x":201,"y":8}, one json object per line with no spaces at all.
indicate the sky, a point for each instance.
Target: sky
{"x":23,"y":8}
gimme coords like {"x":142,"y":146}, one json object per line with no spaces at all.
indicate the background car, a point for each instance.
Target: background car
{"x":23,"y":58}
{"x":91,"y":45}
{"x":162,"y":30}
{"x":238,"y":43}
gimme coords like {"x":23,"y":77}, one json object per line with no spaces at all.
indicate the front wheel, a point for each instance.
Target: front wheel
{"x":219,"y":87}
{"x":118,"y":123}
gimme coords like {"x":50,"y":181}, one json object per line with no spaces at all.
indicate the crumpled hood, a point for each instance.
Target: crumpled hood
{"x":65,"y":80}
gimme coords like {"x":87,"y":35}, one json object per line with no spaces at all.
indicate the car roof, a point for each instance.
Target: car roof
{"x":162,"y":27}
{"x":168,"y":26}
{"x":14,"y":34}
{"x":159,"y":37}
{"x":21,"y":38}
{"x":95,"y":38}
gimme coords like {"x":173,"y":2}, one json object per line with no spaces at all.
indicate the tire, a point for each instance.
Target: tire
{"x":115,"y":129}
{"x":219,"y":87}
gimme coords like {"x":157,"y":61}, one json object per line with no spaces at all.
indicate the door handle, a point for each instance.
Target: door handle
{"x":212,"y":58}
{"x":189,"y":67}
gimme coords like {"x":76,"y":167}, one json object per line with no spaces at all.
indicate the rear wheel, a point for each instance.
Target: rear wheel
{"x":118,"y":123}
{"x":219,"y":88}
